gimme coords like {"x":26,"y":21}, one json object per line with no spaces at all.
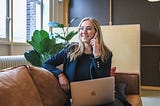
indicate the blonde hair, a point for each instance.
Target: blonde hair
{"x":78,"y":50}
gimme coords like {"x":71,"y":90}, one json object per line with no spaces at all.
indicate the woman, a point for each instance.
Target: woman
{"x":89,"y":59}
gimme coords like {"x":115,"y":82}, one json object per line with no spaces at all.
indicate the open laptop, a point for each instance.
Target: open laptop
{"x":93,"y":92}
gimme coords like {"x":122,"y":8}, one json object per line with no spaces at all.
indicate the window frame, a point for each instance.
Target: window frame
{"x":9,"y":21}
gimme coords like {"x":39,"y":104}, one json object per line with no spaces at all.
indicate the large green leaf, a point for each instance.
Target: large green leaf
{"x":33,"y":57}
{"x":37,"y":38}
{"x":46,"y":44}
{"x":41,"y":41}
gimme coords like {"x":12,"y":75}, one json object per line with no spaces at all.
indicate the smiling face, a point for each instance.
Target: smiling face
{"x":87,"y":31}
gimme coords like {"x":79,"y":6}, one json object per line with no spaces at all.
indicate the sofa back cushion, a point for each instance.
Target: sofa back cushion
{"x":17,"y":88}
{"x":131,"y":80}
{"x":48,"y":87}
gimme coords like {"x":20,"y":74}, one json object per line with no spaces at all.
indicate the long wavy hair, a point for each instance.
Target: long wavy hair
{"x":78,"y":49}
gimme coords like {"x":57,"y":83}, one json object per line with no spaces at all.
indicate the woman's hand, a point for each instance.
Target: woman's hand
{"x":95,"y":45}
{"x":64,"y":83}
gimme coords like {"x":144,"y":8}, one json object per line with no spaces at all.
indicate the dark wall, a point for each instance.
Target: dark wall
{"x":98,"y":9}
{"x":147,"y":14}
{"x":142,"y":12}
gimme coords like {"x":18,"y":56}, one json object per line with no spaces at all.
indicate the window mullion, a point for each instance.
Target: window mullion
{"x":8,"y":18}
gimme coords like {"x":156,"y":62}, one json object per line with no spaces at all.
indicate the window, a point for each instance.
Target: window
{"x":2,"y":19}
{"x":19,"y":18}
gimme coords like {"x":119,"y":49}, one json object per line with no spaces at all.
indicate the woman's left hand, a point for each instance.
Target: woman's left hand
{"x":95,"y":45}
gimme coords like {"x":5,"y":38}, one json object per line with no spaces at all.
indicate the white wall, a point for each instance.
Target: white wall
{"x":124,"y":42}
{"x":4,"y":50}
{"x":14,"y":49}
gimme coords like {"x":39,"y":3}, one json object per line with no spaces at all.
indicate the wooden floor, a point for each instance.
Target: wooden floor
{"x":150,"y":88}
{"x":150,"y":97}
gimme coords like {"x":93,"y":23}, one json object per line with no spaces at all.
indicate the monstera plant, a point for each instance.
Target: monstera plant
{"x":45,"y":45}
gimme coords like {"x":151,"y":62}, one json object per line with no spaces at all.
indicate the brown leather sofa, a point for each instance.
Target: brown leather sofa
{"x":27,"y":85}
{"x":132,"y":90}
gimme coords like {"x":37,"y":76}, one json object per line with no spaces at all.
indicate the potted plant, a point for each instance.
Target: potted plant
{"x":45,"y":45}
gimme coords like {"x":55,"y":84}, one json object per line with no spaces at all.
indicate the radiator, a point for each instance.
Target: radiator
{"x":11,"y":61}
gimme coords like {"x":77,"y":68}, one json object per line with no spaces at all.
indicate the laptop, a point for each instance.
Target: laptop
{"x":93,"y":92}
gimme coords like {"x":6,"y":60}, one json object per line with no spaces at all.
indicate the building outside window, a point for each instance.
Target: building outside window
{"x":19,"y":18}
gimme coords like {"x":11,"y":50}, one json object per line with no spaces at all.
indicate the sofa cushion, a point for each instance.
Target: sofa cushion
{"x":131,"y":80}
{"x":48,"y":87}
{"x":17,"y":88}
{"x":135,"y":100}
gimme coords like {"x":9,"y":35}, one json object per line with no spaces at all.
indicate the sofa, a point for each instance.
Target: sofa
{"x":27,"y":85}
{"x":132,"y":88}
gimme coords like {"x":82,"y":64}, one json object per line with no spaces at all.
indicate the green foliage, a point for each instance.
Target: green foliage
{"x":33,"y":57}
{"x":41,"y":42}
{"x":44,"y":45}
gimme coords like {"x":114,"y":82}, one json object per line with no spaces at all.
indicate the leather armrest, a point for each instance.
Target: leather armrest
{"x":132,"y":81}
{"x":48,"y":86}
